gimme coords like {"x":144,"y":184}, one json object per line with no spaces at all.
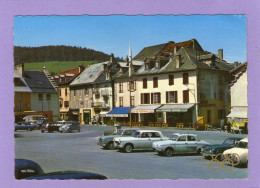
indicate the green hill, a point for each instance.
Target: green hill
{"x":55,"y":67}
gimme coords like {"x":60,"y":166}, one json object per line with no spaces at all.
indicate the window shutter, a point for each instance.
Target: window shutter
{"x":128,"y":86}
{"x":148,"y":98}
{"x":185,"y":78}
{"x":142,"y":98}
{"x":183,"y":95}
{"x":135,"y":85}
{"x":151,"y":98}
{"x":175,"y":97}
{"x":187,"y":91}
{"x":159,"y":98}
{"x":167,"y":95}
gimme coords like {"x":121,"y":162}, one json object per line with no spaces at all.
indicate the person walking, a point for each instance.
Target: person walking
{"x":222,"y":125}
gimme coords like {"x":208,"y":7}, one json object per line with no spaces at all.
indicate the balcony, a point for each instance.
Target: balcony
{"x":104,"y":92}
{"x":96,"y":91}
{"x":100,"y":105}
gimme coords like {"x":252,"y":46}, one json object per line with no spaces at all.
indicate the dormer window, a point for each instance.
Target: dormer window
{"x":146,"y":66}
{"x":157,"y":65}
{"x":107,"y":76}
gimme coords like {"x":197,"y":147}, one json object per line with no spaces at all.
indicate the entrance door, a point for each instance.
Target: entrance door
{"x":86,"y":118}
{"x":209,"y":116}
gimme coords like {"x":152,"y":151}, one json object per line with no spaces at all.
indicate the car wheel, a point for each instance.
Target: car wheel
{"x":128,"y":148}
{"x":42,"y":131}
{"x":29,"y":129}
{"x":198,"y":151}
{"x":110,"y":145}
{"x":168,"y":152}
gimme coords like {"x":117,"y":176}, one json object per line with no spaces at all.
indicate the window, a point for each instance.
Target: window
{"x":155,"y":135}
{"x":171,"y":97}
{"x":48,"y":106}
{"x":146,"y":135}
{"x":132,"y":101}
{"x":120,"y":101}
{"x":191,"y":138}
{"x":182,"y":138}
{"x":156,"y":98}
{"x":121,"y":87}
{"x":202,"y":95}
{"x":171,"y":80}
{"x":185,"y":78}
{"x":146,"y":66}
{"x":155,"y":82}
{"x":74,"y":92}
{"x":132,"y":85}
{"x":186,"y":96}
{"x":19,"y":96}
{"x":86,"y":91}
{"x":66,"y":92}
{"x":66,"y":104}
{"x":145,"y":83}
{"x":60,"y":92}
{"x":40,"y":97}
{"x":48,"y":97}
{"x":145,"y":98}
{"x":128,"y":132}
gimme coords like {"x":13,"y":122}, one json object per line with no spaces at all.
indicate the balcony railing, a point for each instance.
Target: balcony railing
{"x":100,"y":105}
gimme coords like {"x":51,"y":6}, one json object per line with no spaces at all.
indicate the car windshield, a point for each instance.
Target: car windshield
{"x":174,"y":137}
{"x":119,"y":132}
{"x":135,"y":134}
{"x":229,"y":142}
{"x":241,"y":145}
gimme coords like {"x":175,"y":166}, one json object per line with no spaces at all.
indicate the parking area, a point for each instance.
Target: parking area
{"x":79,"y":151}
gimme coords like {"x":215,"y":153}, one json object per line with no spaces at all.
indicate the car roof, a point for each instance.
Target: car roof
{"x":128,"y":129}
{"x":149,"y":131}
{"x":184,"y":134}
{"x":234,"y":138}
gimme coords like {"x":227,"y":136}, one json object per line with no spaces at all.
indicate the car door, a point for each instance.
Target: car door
{"x":155,"y":137}
{"x":181,"y":144}
{"x":143,"y":141}
{"x":192,"y":144}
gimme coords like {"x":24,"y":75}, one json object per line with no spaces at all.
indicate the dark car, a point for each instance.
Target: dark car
{"x":70,"y":126}
{"x":220,"y":148}
{"x":30,"y":170}
{"x":51,"y":127}
{"x":25,"y":126}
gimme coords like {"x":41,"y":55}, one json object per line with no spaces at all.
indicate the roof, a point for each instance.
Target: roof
{"x":89,"y":75}
{"x":67,"y":76}
{"x":21,"y":87}
{"x":38,"y":82}
{"x":149,"y":52}
{"x":70,"y":71}
{"x":239,"y":68}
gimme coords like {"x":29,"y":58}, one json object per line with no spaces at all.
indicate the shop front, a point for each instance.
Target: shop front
{"x":178,"y":113}
{"x":238,"y":119}
{"x":146,"y":113}
{"x":120,"y":114}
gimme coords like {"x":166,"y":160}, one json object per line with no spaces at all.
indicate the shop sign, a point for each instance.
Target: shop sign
{"x":142,"y":111}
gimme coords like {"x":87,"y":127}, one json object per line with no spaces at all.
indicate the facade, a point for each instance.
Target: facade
{"x":238,"y":90}
{"x":177,"y":83}
{"x":63,"y":79}
{"x":35,"y":93}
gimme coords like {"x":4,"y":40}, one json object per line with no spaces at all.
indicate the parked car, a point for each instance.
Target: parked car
{"x":51,"y":127}
{"x":30,"y":170}
{"x":179,"y":143}
{"x":141,"y":139}
{"x":36,"y":119}
{"x":70,"y":126}
{"x":214,"y":150}
{"x":241,"y":151}
{"x":107,"y":141}
{"x":25,"y":126}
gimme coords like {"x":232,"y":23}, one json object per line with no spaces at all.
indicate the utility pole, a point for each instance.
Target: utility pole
{"x":130,"y":73}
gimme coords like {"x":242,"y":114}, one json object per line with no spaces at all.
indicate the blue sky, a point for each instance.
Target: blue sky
{"x":112,"y":34}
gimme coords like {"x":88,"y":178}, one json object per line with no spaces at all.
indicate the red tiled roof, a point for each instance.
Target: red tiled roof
{"x":70,"y":71}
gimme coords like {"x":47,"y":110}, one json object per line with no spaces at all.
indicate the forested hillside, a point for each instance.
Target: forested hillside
{"x":57,"y":53}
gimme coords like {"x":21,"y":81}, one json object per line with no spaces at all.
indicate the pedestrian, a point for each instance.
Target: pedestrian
{"x":229,"y":127}
{"x":222,"y":125}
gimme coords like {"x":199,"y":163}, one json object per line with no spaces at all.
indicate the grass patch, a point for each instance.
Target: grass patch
{"x":55,"y":67}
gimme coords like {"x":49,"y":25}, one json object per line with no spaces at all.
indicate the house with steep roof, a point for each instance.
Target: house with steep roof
{"x":35,"y":94}
{"x":63,"y":79}
{"x":177,"y":83}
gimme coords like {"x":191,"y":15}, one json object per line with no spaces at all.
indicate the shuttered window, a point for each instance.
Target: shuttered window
{"x":145,"y":98}
{"x":156,"y":98}
{"x":120,"y":101}
{"x":171,"y":97}
{"x":185,"y":96}
{"x":185,"y":78}
{"x":121,"y":87}
{"x":145,"y":83}
{"x":155,"y":82}
{"x":171,"y":80}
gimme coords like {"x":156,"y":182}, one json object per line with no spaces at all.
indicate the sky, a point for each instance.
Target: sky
{"x":112,"y":34}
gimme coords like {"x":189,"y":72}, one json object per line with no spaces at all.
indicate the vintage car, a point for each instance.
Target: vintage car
{"x":30,"y":170}
{"x":140,"y":139}
{"x":107,"y":141}
{"x":25,"y":126}
{"x":214,"y":150}
{"x":240,"y":151}
{"x":39,"y":120}
{"x":179,"y":143}
{"x":51,"y":127}
{"x":70,"y":126}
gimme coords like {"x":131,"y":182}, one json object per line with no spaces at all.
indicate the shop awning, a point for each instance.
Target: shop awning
{"x":103,"y":114}
{"x":119,"y":112}
{"x":145,"y":108}
{"x":238,"y":112}
{"x":174,"y":108}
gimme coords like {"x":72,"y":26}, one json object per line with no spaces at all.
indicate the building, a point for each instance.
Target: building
{"x":238,"y":91}
{"x":63,"y":79}
{"x":176,"y":83}
{"x":35,"y":93}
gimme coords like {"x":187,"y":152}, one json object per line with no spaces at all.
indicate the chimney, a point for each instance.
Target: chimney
{"x":220,"y":53}
{"x":178,"y":60}
{"x":175,"y":50}
{"x":81,"y":68}
{"x":111,"y":57}
{"x":104,"y":66}
{"x":20,"y":69}
{"x":127,"y":61}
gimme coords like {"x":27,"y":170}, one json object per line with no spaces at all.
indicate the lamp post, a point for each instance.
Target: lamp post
{"x":130,"y":73}
{"x":195,"y":100}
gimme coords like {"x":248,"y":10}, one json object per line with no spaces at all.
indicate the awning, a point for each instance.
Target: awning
{"x":119,"y":112}
{"x":103,"y":114}
{"x":238,"y":112}
{"x":145,"y":108}
{"x":174,"y":108}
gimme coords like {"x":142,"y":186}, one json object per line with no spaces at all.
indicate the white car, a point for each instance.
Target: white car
{"x":141,"y":139}
{"x":241,"y":149}
{"x":179,"y":143}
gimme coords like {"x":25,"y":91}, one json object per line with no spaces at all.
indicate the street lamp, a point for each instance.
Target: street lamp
{"x":193,"y":92}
